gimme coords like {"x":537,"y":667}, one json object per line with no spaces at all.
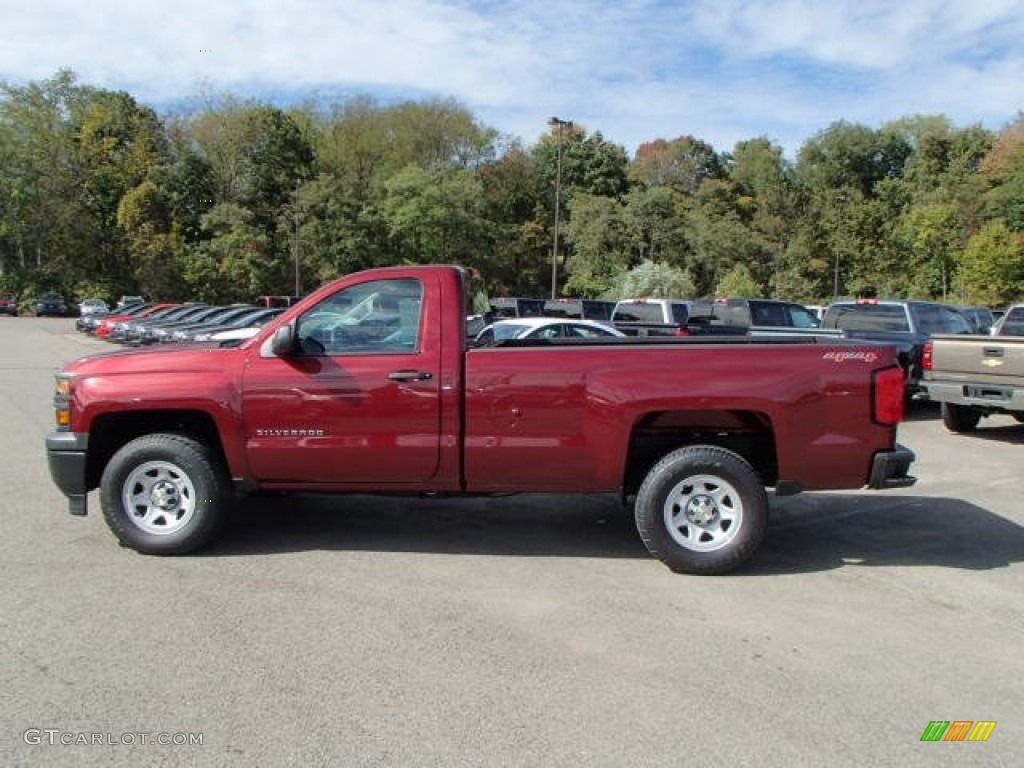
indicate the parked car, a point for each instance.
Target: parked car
{"x":669,"y":317}
{"x":1011,"y":323}
{"x":51,"y":305}
{"x":276,"y":302}
{"x":93,"y":307}
{"x":9,"y":304}
{"x":545,"y":328}
{"x":184,"y":332}
{"x":818,"y":310}
{"x":161,"y":332}
{"x":130,"y":330}
{"x":907,"y":324}
{"x":128,"y":301}
{"x":766,"y":317}
{"x":508,"y":306}
{"x":89,"y":323}
{"x":106,"y":324}
{"x":234,"y":335}
{"x":981,"y":319}
{"x":242,"y":328}
{"x":579,"y":309}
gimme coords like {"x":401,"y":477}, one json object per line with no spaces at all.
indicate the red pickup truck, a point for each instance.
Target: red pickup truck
{"x":371,"y":385}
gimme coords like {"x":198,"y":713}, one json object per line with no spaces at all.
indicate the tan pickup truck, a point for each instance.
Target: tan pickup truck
{"x":976,"y":376}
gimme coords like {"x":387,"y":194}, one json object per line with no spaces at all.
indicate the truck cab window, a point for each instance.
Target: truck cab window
{"x":378,"y":317}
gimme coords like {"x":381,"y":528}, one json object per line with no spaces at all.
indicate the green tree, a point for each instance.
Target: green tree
{"x":657,"y":226}
{"x":520,"y":258}
{"x":738,"y":282}
{"x":654,"y":280}
{"x":235,"y":260}
{"x":338,"y":233}
{"x":722,"y":235}
{"x":45,"y":225}
{"x":852,"y":179}
{"x":765,"y":182}
{"x":73,"y":152}
{"x":599,"y":234}
{"x":434,"y":217}
{"x":933,"y":237}
{"x":992,"y":266}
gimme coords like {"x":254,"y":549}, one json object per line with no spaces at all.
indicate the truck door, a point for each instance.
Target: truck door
{"x":357,"y":401}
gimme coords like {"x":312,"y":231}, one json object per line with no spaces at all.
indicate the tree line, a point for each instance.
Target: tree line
{"x":231,"y":199}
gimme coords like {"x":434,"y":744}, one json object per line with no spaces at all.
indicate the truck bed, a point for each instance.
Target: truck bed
{"x":975,"y":376}
{"x":994,"y":359}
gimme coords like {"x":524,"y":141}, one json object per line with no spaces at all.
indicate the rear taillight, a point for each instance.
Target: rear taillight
{"x":682,"y":332}
{"x":926,"y":356}
{"x":888,"y":395}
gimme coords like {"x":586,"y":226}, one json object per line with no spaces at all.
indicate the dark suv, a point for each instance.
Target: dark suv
{"x":504,"y":306}
{"x":766,"y":317}
{"x":51,"y":304}
{"x":9,"y":304}
{"x":586,"y":309}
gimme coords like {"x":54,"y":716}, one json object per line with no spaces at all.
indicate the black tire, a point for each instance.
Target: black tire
{"x":960,"y":418}
{"x":714,"y":484}
{"x":1018,"y":417}
{"x":181,"y":491}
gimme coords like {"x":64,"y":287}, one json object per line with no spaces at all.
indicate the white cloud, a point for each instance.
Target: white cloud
{"x":636,"y":70}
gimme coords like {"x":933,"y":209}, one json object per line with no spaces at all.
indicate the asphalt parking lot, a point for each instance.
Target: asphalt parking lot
{"x":523,"y":631}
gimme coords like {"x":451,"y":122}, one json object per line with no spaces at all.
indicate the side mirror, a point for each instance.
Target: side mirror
{"x":283,"y":342}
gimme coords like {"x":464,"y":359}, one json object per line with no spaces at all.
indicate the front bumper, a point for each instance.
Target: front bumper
{"x":66,"y":454}
{"x":890,"y":469}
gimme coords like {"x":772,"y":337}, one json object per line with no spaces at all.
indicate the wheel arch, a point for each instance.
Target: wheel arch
{"x":749,"y":434}
{"x":110,"y":431}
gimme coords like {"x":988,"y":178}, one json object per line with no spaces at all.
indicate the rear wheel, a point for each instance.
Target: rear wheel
{"x":164,"y":494}
{"x":702,"y":510}
{"x":960,"y":418}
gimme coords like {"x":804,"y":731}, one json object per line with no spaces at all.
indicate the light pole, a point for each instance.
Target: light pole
{"x":558,"y":124}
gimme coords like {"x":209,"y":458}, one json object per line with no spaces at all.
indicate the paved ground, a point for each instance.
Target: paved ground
{"x":530,"y":631}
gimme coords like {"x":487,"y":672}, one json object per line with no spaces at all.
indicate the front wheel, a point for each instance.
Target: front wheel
{"x":164,"y":494}
{"x":702,"y":510}
{"x":960,"y":418}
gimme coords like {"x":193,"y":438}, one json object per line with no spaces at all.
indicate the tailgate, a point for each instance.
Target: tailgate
{"x":995,"y":359}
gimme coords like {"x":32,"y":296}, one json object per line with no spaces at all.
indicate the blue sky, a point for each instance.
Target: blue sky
{"x":635,"y":70}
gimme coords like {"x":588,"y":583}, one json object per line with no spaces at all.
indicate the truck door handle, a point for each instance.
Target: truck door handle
{"x":410,"y":376}
{"x":992,"y":351}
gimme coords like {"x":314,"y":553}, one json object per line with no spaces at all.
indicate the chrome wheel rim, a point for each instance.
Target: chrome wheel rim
{"x":703,"y":513}
{"x":159,"y":497}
